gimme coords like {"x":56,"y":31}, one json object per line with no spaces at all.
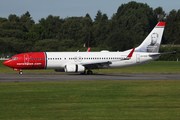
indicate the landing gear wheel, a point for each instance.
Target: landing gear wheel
{"x":89,"y":72}
{"x":83,"y":73}
{"x":20,"y":72}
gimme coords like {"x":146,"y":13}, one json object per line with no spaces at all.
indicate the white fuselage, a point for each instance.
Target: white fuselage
{"x":57,"y":60}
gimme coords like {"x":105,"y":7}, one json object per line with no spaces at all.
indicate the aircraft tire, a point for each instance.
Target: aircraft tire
{"x":83,"y":73}
{"x":89,"y":72}
{"x":20,"y":72}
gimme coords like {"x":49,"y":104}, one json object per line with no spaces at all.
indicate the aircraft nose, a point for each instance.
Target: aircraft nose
{"x":7,"y":63}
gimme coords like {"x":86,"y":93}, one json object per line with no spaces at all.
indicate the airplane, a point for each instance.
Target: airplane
{"x":85,"y":62}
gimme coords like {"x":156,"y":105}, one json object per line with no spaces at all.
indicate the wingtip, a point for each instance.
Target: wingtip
{"x":89,"y":49}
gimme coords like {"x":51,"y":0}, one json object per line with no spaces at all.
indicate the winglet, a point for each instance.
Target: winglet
{"x":131,"y":53}
{"x":88,"y":50}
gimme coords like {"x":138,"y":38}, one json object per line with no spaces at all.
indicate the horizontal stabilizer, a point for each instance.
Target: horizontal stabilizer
{"x":157,"y":54}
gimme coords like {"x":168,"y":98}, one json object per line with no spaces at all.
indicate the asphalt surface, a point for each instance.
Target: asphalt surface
{"x":77,"y":77}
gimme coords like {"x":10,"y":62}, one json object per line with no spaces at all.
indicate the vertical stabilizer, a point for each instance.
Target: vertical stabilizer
{"x":152,"y":42}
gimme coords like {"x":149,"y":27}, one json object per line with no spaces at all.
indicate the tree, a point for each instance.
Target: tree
{"x":104,"y":18}
{"x":86,"y":34}
{"x":46,"y":45}
{"x":54,"y":24}
{"x":98,"y":17}
{"x":13,"y":18}
{"x":159,"y":14}
{"x":135,"y":20}
{"x":118,"y":41}
{"x":26,"y":22}
{"x":2,"y":20}
{"x":39,"y":32}
{"x":172,"y":31}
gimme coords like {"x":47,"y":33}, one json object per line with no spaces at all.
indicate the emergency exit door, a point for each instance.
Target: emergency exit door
{"x":137,"y":58}
{"x":26,"y":58}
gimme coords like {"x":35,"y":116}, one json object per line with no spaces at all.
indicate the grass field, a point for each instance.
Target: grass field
{"x":152,"y":67}
{"x":98,"y":100}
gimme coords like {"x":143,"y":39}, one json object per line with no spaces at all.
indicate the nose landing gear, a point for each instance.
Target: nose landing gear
{"x":20,"y":71}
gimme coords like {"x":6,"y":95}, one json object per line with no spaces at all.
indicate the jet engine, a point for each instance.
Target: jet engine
{"x":73,"y":68}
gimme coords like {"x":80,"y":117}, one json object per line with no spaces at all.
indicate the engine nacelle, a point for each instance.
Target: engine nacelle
{"x":73,"y":68}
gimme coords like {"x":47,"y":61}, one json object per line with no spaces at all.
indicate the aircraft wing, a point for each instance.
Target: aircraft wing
{"x":96,"y":65}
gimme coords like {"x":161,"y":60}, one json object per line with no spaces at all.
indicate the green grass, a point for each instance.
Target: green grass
{"x":98,"y":100}
{"x":152,"y":67}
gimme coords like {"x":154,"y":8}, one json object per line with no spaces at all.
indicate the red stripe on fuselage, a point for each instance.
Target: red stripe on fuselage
{"x":36,"y":60}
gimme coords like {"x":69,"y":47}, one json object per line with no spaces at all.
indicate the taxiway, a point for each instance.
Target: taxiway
{"x":77,"y":77}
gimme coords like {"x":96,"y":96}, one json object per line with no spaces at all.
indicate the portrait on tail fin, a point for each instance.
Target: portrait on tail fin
{"x":154,"y":45}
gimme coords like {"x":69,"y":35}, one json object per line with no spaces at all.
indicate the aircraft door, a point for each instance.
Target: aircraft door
{"x":26,"y":58}
{"x":137,"y":58}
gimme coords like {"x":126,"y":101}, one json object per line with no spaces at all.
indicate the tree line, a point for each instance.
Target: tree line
{"x":126,"y":29}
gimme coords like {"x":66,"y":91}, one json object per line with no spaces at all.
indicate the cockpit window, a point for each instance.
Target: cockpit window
{"x":14,"y":58}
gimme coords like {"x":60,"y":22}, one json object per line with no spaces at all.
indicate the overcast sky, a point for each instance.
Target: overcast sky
{"x":68,"y":8}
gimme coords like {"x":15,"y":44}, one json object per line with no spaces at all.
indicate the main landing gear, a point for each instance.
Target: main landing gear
{"x":20,"y":72}
{"x":89,"y":72}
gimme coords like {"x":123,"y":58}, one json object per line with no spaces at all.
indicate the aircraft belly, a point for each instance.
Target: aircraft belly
{"x":54,"y":65}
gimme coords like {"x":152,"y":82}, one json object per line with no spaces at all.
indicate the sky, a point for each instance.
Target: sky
{"x":69,"y":8}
